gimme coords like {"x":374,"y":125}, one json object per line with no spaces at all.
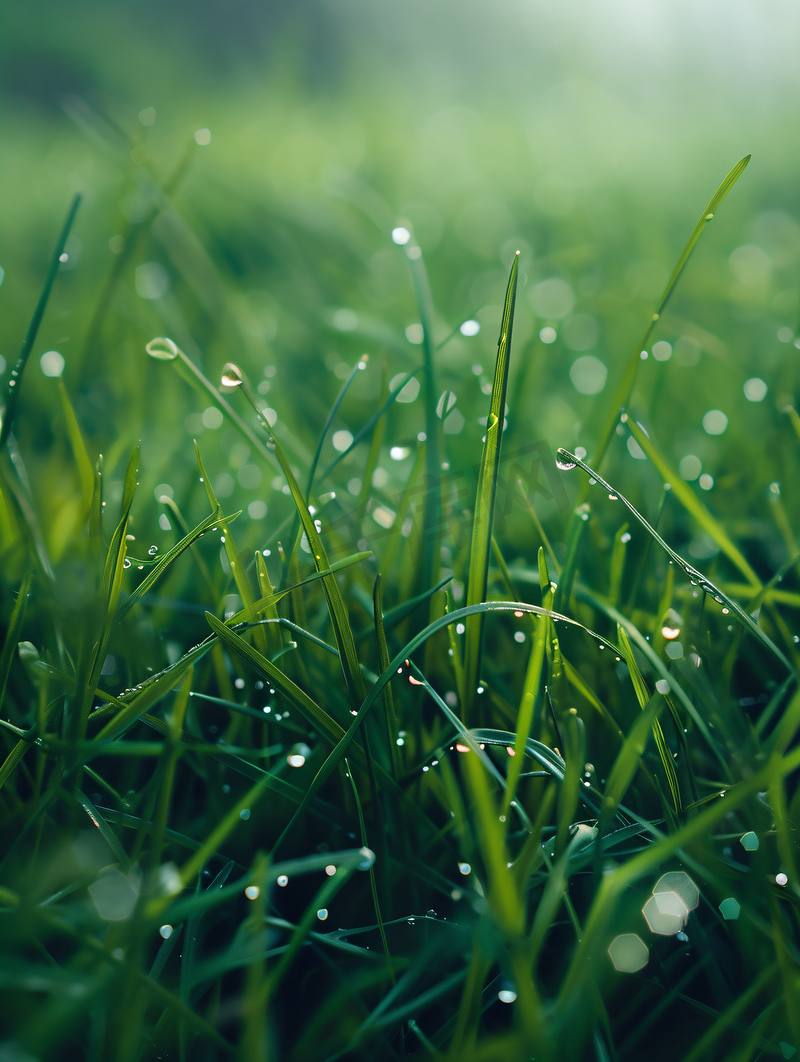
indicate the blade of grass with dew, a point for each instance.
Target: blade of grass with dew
{"x":15,"y":377}
{"x":383,"y":663}
{"x":340,"y":620}
{"x":372,"y":881}
{"x":657,"y":664}
{"x":689,"y":500}
{"x":643,"y":697}
{"x":628,"y":761}
{"x":378,"y":433}
{"x":110,"y":589}
{"x":480,"y":548}
{"x":138,"y":700}
{"x":563,"y":592}
{"x":164,"y":562}
{"x":625,"y":385}
{"x":429,"y":567}
{"x":334,"y":758}
{"x":694,"y":575}
{"x":238,"y":571}
{"x":13,"y":632}
{"x":164,"y":349}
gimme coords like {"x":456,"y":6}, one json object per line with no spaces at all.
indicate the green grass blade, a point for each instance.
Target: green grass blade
{"x":383,"y":663}
{"x":481,"y":546}
{"x":689,"y":500}
{"x":15,"y":377}
{"x":79,"y":451}
{"x":13,"y":632}
{"x":625,"y":385}
{"x":643,"y":697}
{"x":172,"y":555}
{"x":694,"y":575}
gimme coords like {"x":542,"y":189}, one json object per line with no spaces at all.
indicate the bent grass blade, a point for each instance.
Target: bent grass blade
{"x":696,"y":577}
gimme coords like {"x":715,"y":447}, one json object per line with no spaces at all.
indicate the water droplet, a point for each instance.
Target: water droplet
{"x":564,"y":461}
{"x":162,"y":348}
{"x":464,"y":868}
{"x":430,"y":913}
{"x":781,"y":879}
{"x":330,"y":870}
{"x":126,"y":563}
{"x":244,"y":814}
{"x":322,"y":914}
{"x":283,"y":881}
{"x":166,"y":932}
{"x":626,"y":537}
{"x":506,"y":995}
{"x":613,"y":497}
{"x":670,"y":633}
{"x":252,"y":892}
{"x":231,"y":375}
{"x":153,"y":550}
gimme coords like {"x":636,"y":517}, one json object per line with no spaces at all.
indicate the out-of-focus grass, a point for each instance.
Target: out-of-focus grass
{"x":288,"y":829}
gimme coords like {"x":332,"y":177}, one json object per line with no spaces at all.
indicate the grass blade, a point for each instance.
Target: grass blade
{"x":15,"y":377}
{"x":625,"y":385}
{"x":481,"y":546}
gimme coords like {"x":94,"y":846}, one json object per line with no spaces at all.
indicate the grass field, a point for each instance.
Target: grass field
{"x":397,"y":545}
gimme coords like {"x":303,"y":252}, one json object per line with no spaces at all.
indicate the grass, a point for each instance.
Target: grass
{"x":377,"y":752}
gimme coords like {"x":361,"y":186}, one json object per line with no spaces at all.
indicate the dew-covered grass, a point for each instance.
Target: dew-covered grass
{"x":399,"y":647}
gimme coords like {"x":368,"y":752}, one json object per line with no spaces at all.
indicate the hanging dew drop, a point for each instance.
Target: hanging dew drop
{"x":564,"y":460}
{"x":153,"y":550}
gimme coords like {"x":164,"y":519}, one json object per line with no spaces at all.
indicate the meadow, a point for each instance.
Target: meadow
{"x":398,"y":586}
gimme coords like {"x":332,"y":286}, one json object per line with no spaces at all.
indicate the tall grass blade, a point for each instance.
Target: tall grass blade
{"x":625,"y":385}
{"x":15,"y":378}
{"x":481,"y":545}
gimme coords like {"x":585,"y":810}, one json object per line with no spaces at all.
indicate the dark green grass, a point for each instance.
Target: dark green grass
{"x":389,"y":765}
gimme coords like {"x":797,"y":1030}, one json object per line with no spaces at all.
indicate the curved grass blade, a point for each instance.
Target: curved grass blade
{"x":173,"y":554}
{"x":625,"y":385}
{"x":419,"y":639}
{"x":15,"y":377}
{"x":481,"y":545}
{"x":696,"y":577}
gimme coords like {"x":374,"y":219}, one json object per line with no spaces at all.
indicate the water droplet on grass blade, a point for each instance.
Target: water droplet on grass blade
{"x":165,"y":932}
{"x":162,"y":348}
{"x":564,"y":460}
{"x":506,"y":995}
{"x":283,"y":881}
{"x":231,"y":376}
{"x":252,"y":892}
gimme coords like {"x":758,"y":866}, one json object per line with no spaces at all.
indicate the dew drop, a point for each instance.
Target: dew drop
{"x":564,"y":461}
{"x":231,"y":375}
{"x":153,"y":550}
{"x":283,"y":881}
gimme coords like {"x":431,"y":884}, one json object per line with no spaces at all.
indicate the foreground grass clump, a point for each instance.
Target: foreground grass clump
{"x":340,"y":779}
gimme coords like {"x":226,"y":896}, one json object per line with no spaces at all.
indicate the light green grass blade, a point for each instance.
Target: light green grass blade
{"x":625,"y":385}
{"x":643,"y":697}
{"x":689,"y":500}
{"x":172,"y":555}
{"x":79,"y":451}
{"x":383,"y":663}
{"x":14,"y":383}
{"x":340,"y":621}
{"x":481,"y":545}
{"x":697,"y":578}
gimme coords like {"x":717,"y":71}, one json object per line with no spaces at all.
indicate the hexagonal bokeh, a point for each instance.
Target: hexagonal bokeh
{"x":666,"y":913}
{"x":729,"y":909}
{"x":682,"y":885}
{"x":749,"y":842}
{"x":628,"y":952}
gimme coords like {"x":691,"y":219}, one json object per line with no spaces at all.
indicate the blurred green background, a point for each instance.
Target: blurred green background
{"x":588,"y":135}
